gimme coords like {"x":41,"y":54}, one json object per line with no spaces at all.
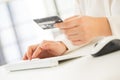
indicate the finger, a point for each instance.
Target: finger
{"x":30,"y":51}
{"x":59,"y":25}
{"x":25,"y":57}
{"x":73,"y":31}
{"x":37,"y":52}
{"x":72,"y":23}
{"x":68,"y":23}
{"x":76,"y":36}
{"x":79,"y":42}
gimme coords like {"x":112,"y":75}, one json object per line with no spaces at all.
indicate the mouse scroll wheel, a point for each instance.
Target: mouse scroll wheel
{"x":95,"y":44}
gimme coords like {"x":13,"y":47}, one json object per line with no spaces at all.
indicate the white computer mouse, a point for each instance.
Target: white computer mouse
{"x":106,"y":45}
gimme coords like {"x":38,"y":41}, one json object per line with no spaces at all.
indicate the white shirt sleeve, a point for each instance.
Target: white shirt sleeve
{"x":114,"y":17}
{"x":114,"y":22}
{"x":67,"y":42}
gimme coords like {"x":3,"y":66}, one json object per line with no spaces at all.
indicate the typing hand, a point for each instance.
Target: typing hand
{"x":44,"y":50}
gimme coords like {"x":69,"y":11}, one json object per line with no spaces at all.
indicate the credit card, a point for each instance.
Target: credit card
{"x":48,"y":22}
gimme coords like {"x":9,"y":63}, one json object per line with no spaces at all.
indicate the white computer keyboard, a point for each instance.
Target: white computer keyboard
{"x":30,"y":64}
{"x":43,"y":63}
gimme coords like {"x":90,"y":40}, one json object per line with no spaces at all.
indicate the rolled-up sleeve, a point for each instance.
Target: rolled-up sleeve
{"x":67,"y":42}
{"x":114,"y":22}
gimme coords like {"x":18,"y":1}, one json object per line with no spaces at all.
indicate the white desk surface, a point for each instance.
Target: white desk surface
{"x":85,"y":68}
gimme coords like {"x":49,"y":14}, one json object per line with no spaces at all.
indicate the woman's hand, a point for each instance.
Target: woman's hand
{"x":45,"y":49}
{"x":80,"y":30}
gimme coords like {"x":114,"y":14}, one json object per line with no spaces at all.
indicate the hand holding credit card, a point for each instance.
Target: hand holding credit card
{"x":48,"y":22}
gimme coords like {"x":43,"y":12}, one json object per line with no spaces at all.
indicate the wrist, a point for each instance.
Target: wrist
{"x":106,"y":26}
{"x":65,"y":47}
